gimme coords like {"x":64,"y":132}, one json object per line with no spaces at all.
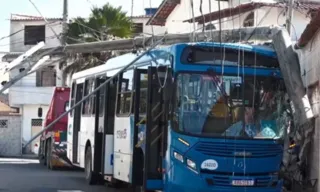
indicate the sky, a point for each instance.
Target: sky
{"x":53,"y":8}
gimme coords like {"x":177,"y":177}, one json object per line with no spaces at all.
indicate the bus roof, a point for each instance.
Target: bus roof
{"x":123,"y":60}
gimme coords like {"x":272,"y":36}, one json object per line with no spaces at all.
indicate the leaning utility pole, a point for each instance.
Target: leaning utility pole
{"x":64,"y":36}
{"x":289,"y":16}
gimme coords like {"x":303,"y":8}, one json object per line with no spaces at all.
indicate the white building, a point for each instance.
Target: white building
{"x":176,"y":15}
{"x":35,"y":90}
{"x":172,"y":13}
{"x":141,"y":26}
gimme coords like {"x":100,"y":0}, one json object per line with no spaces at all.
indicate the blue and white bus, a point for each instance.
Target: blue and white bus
{"x":187,"y":117}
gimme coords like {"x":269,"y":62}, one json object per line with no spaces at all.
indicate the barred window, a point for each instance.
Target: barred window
{"x":36,"y":122}
{"x":3,"y":124}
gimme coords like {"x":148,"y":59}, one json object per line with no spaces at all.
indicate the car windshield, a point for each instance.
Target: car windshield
{"x":212,"y":105}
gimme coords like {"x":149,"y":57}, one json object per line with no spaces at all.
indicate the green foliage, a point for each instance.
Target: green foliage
{"x":102,"y":23}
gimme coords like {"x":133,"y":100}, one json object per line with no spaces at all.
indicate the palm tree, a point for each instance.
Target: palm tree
{"x":104,"y":23}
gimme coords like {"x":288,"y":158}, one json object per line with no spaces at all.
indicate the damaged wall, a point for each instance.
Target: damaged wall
{"x":309,"y":58}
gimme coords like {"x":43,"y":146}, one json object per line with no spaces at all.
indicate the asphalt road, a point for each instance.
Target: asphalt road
{"x":27,"y":175}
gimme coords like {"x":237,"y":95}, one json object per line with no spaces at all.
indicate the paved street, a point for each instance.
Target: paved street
{"x":26,"y":175}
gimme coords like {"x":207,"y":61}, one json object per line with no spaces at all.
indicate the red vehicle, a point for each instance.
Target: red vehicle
{"x":53,"y":142}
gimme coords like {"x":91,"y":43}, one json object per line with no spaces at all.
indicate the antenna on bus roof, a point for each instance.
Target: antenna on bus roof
{"x":94,"y":91}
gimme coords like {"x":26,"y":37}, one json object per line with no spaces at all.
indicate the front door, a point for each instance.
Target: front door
{"x":157,"y":114}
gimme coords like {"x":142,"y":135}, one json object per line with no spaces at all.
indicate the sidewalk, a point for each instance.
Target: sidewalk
{"x":23,"y":156}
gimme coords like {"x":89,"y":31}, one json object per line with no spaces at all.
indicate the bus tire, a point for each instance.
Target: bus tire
{"x":91,"y":178}
{"x":42,"y":154}
{"x":49,"y":155}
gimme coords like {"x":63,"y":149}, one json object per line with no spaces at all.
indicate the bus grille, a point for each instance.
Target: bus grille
{"x":239,"y":149}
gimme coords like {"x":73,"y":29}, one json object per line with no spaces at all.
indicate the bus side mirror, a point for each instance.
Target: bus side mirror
{"x":40,"y":112}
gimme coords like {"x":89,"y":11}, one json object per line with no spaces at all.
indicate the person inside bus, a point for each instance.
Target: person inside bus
{"x":257,"y":122}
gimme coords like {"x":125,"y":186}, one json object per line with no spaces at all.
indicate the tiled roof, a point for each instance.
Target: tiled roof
{"x":163,"y":12}
{"x":246,"y":7}
{"x":19,"y":17}
{"x":311,"y":29}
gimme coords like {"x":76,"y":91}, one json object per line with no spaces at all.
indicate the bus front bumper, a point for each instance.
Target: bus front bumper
{"x":182,"y":179}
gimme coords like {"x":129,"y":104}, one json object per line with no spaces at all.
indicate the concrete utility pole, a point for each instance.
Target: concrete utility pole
{"x":64,"y":36}
{"x":289,"y":16}
{"x":94,"y":91}
{"x":290,"y":70}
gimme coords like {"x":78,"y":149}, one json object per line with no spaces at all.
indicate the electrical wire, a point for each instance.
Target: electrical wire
{"x":18,"y":42}
{"x":261,"y":20}
{"x":23,"y":29}
{"x":53,"y":31}
{"x":152,"y":30}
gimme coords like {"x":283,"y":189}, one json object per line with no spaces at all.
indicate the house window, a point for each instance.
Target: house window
{"x":36,"y":122}
{"x":249,"y":21}
{"x":34,"y":34}
{"x":210,"y":27}
{"x":137,"y":28}
{"x":3,"y":124}
{"x":46,"y":78}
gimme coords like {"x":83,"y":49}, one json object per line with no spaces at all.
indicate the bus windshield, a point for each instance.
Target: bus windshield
{"x":217,"y":106}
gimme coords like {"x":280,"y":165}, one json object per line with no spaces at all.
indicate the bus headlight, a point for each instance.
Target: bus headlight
{"x":191,"y":164}
{"x":178,"y":156}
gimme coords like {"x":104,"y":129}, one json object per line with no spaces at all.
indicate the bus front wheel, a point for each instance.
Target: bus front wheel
{"x":90,"y":176}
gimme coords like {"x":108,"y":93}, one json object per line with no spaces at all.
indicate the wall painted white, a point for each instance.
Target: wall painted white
{"x":17,"y":40}
{"x":31,"y":112}
{"x":175,"y":24}
{"x":25,"y":91}
{"x":309,"y":57}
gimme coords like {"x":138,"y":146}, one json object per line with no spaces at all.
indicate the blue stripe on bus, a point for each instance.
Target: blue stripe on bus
{"x":154,"y":184}
{"x":230,"y":70}
{"x":111,"y":159}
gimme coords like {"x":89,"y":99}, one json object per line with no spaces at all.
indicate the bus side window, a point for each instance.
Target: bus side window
{"x":143,"y":93}
{"x":86,"y":107}
{"x":101,"y":98}
{"x":93,"y":98}
{"x":73,"y":91}
{"x":124,"y":98}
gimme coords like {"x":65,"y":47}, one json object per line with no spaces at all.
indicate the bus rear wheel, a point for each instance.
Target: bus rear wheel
{"x":41,"y":154}
{"x":49,"y":156}
{"x":91,"y":178}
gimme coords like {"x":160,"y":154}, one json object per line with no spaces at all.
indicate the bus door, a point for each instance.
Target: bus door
{"x":99,"y":126}
{"x":77,"y":123}
{"x":105,"y":113}
{"x":139,"y":110}
{"x":158,"y":95}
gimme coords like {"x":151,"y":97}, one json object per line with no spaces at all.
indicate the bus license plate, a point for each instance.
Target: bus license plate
{"x":243,"y":182}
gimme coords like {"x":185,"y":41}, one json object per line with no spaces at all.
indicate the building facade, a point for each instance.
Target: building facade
{"x":10,"y":130}
{"x":176,"y":15}
{"x":33,"y":93}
